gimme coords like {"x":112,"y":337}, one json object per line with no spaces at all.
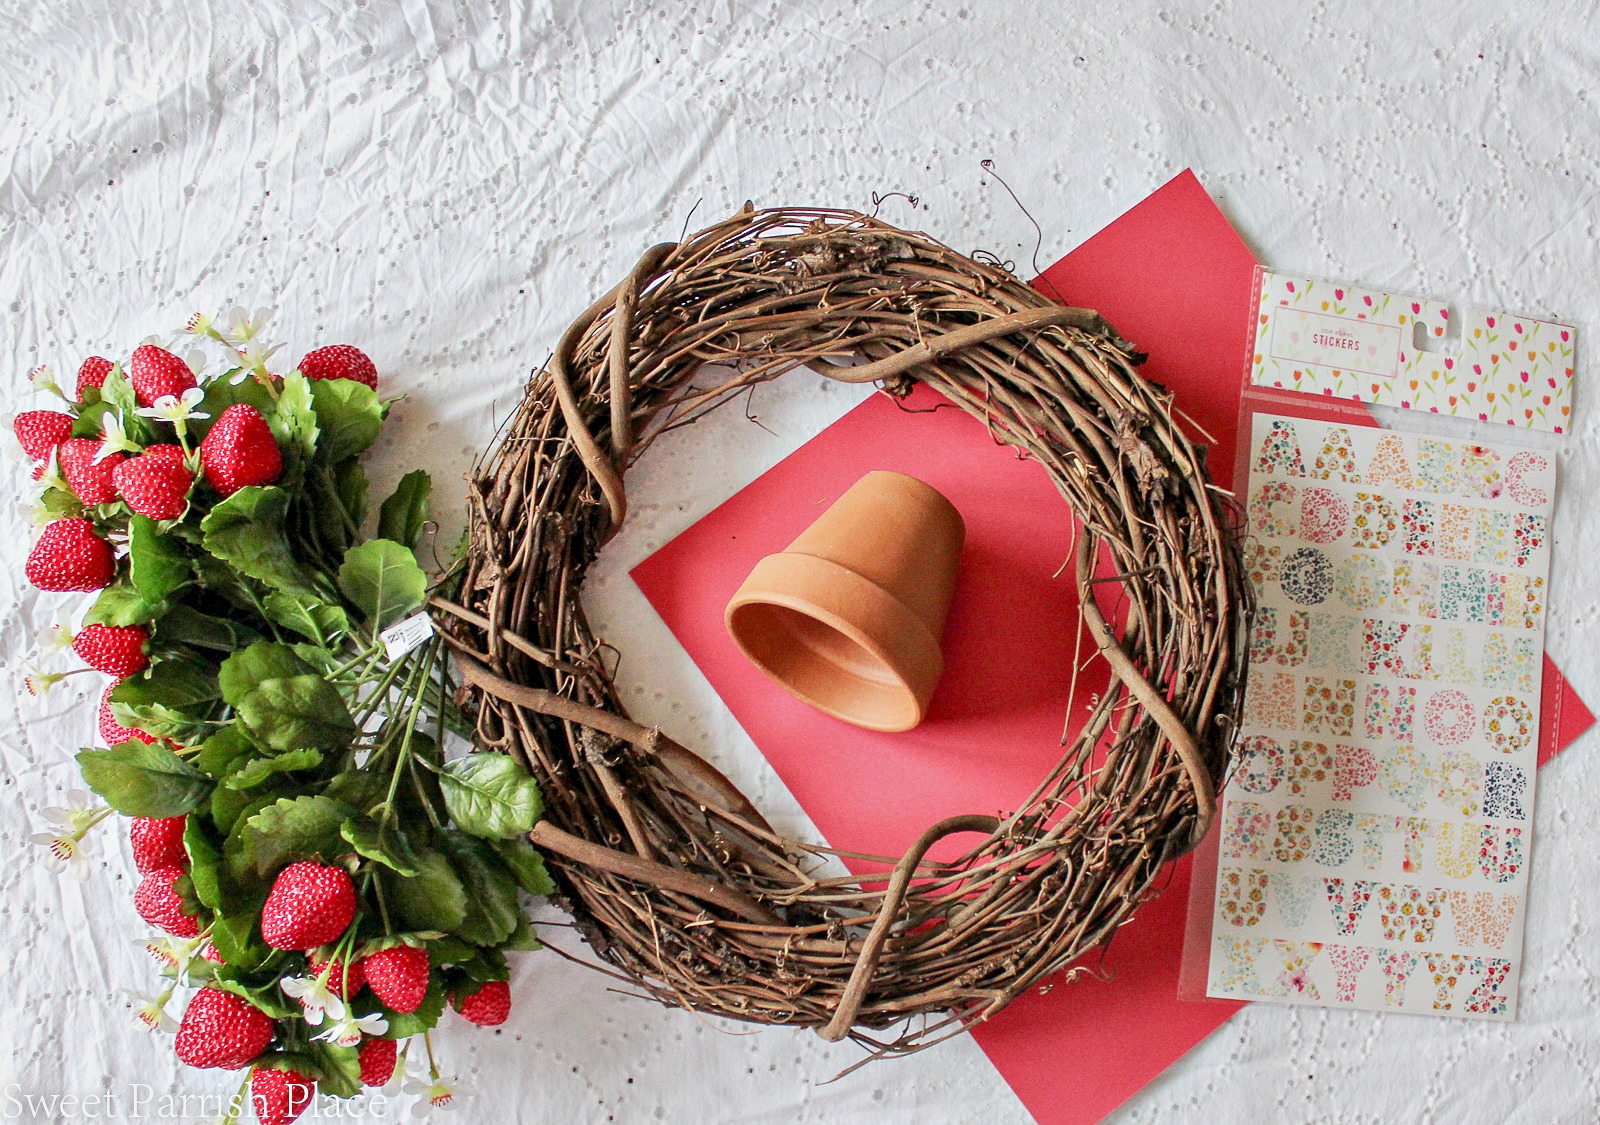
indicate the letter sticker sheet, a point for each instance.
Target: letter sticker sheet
{"x":1377,"y":822}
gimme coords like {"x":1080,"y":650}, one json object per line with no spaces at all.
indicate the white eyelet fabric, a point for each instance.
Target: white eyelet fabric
{"x":447,"y":185}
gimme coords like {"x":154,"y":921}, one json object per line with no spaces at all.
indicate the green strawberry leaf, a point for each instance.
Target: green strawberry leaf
{"x":350,"y":489}
{"x":296,"y":828}
{"x":317,"y":656}
{"x":405,"y":511}
{"x":172,"y":699}
{"x":526,"y":865}
{"x":358,"y":789}
{"x":349,"y":415}
{"x":246,"y":531}
{"x":388,"y":846}
{"x":382,"y":580}
{"x":321,"y":621}
{"x":490,"y":795}
{"x":117,"y":392}
{"x":141,"y":779}
{"x":492,"y":909}
{"x":258,"y":770}
{"x":205,"y":862}
{"x":91,"y":420}
{"x":157,"y":564}
{"x":485,"y":965}
{"x":219,"y":753}
{"x":451,"y":950}
{"x":235,"y":937}
{"x":242,"y":672}
{"x":230,"y":811}
{"x":337,"y":1069}
{"x":432,"y":899}
{"x":522,"y":939}
{"x":183,"y":624}
{"x":294,"y":426}
{"x":61,"y":503}
{"x":294,"y":712}
{"x":122,"y":604}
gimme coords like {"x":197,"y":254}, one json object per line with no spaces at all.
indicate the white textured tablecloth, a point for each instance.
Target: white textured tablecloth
{"x":448,"y":185}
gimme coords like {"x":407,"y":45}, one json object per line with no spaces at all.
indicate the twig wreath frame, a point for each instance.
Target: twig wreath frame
{"x":673,"y":876}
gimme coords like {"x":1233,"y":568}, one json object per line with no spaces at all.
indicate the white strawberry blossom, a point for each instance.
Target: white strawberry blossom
{"x":173,"y":953}
{"x":175,"y":408}
{"x":151,"y":1011}
{"x":315,"y":997}
{"x":65,"y":845}
{"x":36,"y":512}
{"x":253,"y":359}
{"x":44,"y":381}
{"x":114,"y":437}
{"x":39,"y":680}
{"x":67,"y":854}
{"x":59,"y":637}
{"x":50,"y":476}
{"x":77,"y":815}
{"x":434,"y":1092}
{"x":242,"y":328}
{"x":346,"y":1031}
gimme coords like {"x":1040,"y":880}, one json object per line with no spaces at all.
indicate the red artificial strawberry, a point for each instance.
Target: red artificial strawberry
{"x":156,"y":373}
{"x":377,"y":1058}
{"x":220,"y":1029}
{"x":487,"y":1007}
{"x":156,"y":483}
{"x":340,"y":361}
{"x":116,"y":650}
{"x":239,"y":450}
{"x":158,"y":842}
{"x":280,"y":1096}
{"x":40,"y":431}
{"x":166,"y":453}
{"x":208,"y":952}
{"x":89,"y":479}
{"x":113,"y":732}
{"x":70,"y":556}
{"x":341,"y":984}
{"x":398,"y":976}
{"x":158,"y":904}
{"x":93,"y":373}
{"x":311,"y":904}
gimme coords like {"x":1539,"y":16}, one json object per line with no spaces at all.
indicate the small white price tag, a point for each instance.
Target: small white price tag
{"x":403,"y":636}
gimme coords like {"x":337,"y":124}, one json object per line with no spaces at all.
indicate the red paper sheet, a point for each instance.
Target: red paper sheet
{"x":1173,"y":276}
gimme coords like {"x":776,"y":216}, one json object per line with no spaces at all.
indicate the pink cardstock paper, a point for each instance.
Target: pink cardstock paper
{"x":1173,"y":276}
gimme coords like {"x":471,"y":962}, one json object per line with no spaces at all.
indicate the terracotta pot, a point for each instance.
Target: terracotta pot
{"x":848,"y":616}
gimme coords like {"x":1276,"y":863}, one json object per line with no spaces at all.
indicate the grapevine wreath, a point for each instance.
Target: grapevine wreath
{"x":673,"y":876}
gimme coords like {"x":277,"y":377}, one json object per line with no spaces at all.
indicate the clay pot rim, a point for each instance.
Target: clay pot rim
{"x":924,"y":651}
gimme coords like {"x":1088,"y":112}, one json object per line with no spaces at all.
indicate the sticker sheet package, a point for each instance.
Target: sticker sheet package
{"x":1343,"y":341}
{"x":1375,"y":830}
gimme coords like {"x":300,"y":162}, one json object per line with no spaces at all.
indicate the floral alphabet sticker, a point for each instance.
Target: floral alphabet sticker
{"x":1328,"y":338}
{"x":1376,"y":821}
